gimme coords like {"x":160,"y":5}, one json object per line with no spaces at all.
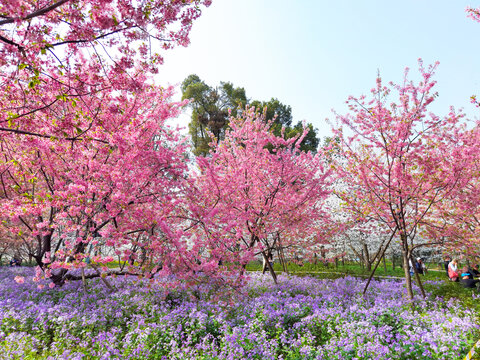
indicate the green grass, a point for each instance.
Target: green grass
{"x":355,"y":269}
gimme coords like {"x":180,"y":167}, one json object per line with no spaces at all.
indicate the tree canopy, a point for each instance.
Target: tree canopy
{"x":260,"y":197}
{"x":213,"y":106}
{"x":211,"y":109}
{"x":86,"y":155}
{"x":401,"y":164}
{"x":52,"y":52}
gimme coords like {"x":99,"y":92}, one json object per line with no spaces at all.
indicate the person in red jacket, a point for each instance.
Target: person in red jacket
{"x":453,"y":270}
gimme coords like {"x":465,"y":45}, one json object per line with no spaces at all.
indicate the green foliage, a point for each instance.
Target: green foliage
{"x":322,"y":331}
{"x":454,"y":290}
{"x":211,"y":108}
{"x":275,"y":109}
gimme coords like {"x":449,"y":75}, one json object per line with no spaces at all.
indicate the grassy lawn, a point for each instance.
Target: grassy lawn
{"x":348,"y":269}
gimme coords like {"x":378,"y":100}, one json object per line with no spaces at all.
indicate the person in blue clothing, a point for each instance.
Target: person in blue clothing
{"x":467,"y":280}
{"x":420,"y":266}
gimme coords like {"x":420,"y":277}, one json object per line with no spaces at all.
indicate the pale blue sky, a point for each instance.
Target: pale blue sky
{"x":313,"y":54}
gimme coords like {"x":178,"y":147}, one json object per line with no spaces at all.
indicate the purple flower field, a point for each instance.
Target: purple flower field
{"x":301,"y":318}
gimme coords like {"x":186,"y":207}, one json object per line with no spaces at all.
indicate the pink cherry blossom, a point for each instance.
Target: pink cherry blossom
{"x":401,"y":165}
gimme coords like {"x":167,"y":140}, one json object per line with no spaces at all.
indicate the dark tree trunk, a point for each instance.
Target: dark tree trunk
{"x":59,"y":277}
{"x":366,"y":257}
{"x":265,"y":265}
{"x":417,"y":277}
{"x":270,"y":267}
{"x":382,"y":254}
{"x":406,"y":266}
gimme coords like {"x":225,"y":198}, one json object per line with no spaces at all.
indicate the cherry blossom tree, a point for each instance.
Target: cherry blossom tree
{"x":401,"y":162}
{"x":260,"y":192}
{"x":113,"y":188}
{"x":474,"y":14}
{"x":70,"y":50}
{"x":87,"y":162}
{"x":366,"y":241}
{"x":6,"y":247}
{"x":461,"y":211}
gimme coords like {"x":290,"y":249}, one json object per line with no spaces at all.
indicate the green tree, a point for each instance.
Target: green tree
{"x":283,"y":119}
{"x":210,"y":112}
{"x":210,"y":109}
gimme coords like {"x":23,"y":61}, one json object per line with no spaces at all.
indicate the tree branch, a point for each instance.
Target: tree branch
{"x":23,"y":132}
{"x":40,"y":12}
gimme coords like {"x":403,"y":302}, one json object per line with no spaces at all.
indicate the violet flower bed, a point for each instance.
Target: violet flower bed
{"x":301,"y":318}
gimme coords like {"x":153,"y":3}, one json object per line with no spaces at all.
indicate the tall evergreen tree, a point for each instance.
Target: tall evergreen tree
{"x":211,"y":107}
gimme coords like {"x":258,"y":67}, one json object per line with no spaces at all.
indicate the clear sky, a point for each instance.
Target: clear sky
{"x":313,"y":54}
